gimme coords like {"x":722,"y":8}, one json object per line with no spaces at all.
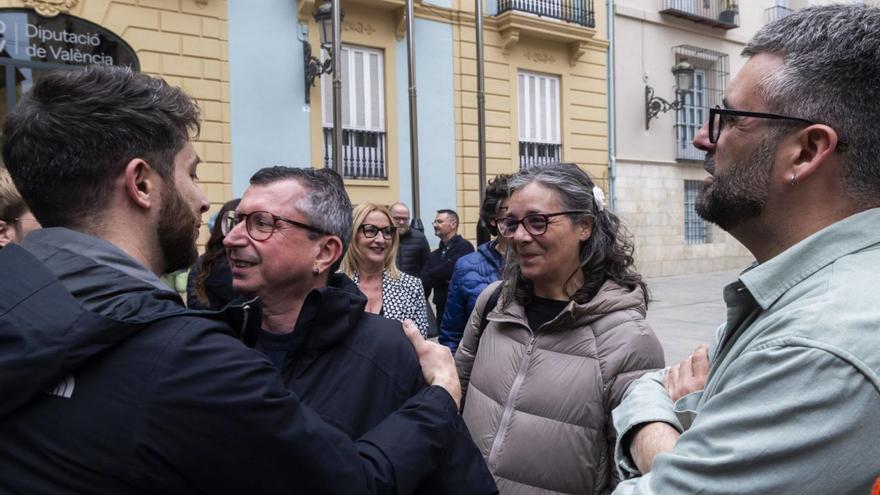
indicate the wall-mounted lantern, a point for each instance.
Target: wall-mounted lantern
{"x":314,"y":68}
{"x":684,"y":84}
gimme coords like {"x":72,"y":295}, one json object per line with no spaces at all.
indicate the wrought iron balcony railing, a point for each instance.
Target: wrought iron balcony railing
{"x":363,"y":153}
{"x":531,"y":154}
{"x":576,"y":11}
{"x":722,"y":14}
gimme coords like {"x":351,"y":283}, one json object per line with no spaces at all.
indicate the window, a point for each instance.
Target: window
{"x":539,"y":135}
{"x":694,"y":227}
{"x":710,"y":80}
{"x":363,"y":114}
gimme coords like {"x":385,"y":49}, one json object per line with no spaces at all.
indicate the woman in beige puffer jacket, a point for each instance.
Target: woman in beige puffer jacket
{"x":564,"y":340}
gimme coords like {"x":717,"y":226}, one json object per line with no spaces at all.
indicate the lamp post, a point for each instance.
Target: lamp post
{"x":337,"y":88}
{"x":684,"y":84}
{"x":482,"y":230}
{"x":328,"y":16}
{"x":413,"y":113}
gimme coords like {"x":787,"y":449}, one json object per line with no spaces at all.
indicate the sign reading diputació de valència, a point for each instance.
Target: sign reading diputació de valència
{"x":64,"y":39}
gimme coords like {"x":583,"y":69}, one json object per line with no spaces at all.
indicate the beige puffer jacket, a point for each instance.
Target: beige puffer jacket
{"x":538,"y":404}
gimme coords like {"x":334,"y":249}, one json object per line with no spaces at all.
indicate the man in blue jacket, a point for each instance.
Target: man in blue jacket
{"x":109,"y":384}
{"x":475,"y":271}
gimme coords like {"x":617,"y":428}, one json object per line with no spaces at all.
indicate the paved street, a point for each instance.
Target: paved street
{"x":685,"y":310}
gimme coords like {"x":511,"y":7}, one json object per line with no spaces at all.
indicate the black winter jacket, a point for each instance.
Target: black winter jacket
{"x":355,"y":368}
{"x":412,"y":252}
{"x":149,"y":397}
{"x":438,"y":270}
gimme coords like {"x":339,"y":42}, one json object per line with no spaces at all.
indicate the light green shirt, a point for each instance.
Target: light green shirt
{"x":792,"y":402}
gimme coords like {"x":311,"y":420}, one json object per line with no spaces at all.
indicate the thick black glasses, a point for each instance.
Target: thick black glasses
{"x":260,"y":225}
{"x":534,"y":223}
{"x":370,"y":231}
{"x":718,"y":116}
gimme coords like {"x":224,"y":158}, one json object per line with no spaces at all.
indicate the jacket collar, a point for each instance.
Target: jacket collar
{"x":51,"y":240}
{"x":768,"y":281}
{"x":610,"y":298}
{"x":493,"y":257}
{"x":328,"y":315}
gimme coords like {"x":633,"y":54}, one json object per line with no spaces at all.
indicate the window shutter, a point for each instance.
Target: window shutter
{"x":538,"y":108}
{"x":363,"y":90}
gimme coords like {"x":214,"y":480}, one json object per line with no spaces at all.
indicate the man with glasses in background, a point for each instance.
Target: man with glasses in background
{"x":785,"y":399}
{"x":413,"y":249}
{"x":437,"y":272}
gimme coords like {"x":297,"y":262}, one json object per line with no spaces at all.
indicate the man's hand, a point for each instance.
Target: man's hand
{"x":437,"y":363}
{"x":649,"y":440}
{"x":689,"y":375}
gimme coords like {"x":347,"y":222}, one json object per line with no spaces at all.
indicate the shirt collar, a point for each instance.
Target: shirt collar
{"x":770,"y":280}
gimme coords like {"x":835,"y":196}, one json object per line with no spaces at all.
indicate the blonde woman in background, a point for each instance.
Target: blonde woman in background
{"x":369,"y":261}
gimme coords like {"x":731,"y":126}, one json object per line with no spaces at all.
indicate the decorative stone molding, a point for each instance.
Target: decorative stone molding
{"x":358,"y":27}
{"x":400,"y":23}
{"x":540,"y":57}
{"x":512,"y":25}
{"x":509,"y":37}
{"x":51,"y":8}
{"x":576,"y":50}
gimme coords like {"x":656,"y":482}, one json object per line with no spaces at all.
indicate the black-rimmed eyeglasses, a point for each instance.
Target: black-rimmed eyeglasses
{"x":260,"y":225}
{"x":718,"y":116}
{"x":534,"y":223}
{"x":370,"y":231}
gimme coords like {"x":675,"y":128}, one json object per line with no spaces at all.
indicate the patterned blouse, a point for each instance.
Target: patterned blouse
{"x":403,"y":299}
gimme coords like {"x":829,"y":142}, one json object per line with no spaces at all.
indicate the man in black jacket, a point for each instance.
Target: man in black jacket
{"x":354,"y":368}
{"x":438,"y":269}
{"x":413,"y":249}
{"x":109,"y":384}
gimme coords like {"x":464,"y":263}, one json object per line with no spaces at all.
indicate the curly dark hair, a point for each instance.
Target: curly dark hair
{"x":496,"y":191}
{"x":606,"y":255}
{"x":213,"y":249}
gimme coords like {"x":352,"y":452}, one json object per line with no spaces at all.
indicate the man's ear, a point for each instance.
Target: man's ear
{"x":141,"y":183}
{"x":7,"y":233}
{"x":329,"y":250}
{"x":815,"y":146}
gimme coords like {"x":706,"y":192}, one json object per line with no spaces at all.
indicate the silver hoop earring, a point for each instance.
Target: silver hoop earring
{"x":794,"y":181}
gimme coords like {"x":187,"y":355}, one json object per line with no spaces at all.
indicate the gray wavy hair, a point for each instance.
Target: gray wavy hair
{"x":606,"y":255}
{"x":830,"y":75}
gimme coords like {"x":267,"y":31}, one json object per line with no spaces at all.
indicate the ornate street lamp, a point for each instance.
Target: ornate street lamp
{"x":684,"y":84}
{"x":314,"y":68}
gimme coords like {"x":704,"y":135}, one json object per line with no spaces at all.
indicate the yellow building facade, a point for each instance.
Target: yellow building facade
{"x":517,"y":44}
{"x":184,"y":42}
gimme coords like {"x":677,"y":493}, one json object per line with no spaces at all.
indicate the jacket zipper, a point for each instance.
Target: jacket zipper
{"x":508,"y":405}
{"x":246,"y":309}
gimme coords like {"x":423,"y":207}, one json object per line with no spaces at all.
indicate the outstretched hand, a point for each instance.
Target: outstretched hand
{"x":437,"y":363}
{"x":689,"y":375}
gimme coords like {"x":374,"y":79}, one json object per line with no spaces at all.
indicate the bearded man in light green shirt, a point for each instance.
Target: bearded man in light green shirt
{"x":787,"y":398}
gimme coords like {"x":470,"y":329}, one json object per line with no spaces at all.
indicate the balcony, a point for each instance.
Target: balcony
{"x":722,"y":14}
{"x":575,"y":11}
{"x":363,"y":153}
{"x":532,"y":154}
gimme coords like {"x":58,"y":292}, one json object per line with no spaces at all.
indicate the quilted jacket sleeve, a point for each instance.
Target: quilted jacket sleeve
{"x":470,"y":341}
{"x":455,"y":316}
